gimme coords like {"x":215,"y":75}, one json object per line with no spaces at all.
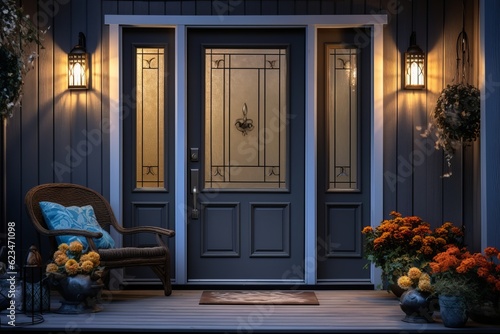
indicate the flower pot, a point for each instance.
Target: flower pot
{"x":486,"y":312}
{"x":416,"y":305}
{"x":78,"y":293}
{"x":453,"y":311}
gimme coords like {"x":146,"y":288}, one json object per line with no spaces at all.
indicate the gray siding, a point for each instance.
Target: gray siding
{"x":62,"y":136}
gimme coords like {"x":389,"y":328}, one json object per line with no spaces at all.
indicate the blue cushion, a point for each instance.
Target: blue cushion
{"x":60,"y":217}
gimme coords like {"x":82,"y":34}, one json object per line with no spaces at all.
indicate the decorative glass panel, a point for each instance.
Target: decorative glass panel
{"x":246,"y":118}
{"x":150,"y":168}
{"x":342,"y":115}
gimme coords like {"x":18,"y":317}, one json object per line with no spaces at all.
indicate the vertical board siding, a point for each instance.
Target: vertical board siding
{"x":435,"y":79}
{"x":390,"y":112}
{"x":473,"y":236}
{"x":419,"y":113}
{"x":61,"y":136}
{"x":452,"y":186}
{"x":79,"y":99}
{"x":157,"y":8}
{"x":45,"y":106}
{"x":404,"y":115}
{"x":29,"y":142}
{"x":94,"y":133}
{"x":62,"y":104}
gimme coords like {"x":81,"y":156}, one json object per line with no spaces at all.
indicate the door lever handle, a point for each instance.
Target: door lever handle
{"x":194,"y":212}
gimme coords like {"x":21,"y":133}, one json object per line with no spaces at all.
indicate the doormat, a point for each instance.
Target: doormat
{"x":244,"y":297}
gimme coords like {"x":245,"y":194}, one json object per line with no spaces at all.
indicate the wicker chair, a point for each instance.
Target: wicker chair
{"x":158,"y":257}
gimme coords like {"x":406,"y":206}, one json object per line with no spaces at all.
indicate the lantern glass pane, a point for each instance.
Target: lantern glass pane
{"x":77,"y":67}
{"x":414,"y":70}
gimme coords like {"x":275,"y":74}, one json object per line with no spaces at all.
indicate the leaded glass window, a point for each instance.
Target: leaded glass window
{"x":150,"y":121}
{"x":342,"y":114}
{"x":246,"y":118}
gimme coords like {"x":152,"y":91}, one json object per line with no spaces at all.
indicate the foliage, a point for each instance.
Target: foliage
{"x":69,"y":260}
{"x":17,"y":32}
{"x":456,"y":118}
{"x":475,"y":276}
{"x":415,"y":279}
{"x":400,"y":243}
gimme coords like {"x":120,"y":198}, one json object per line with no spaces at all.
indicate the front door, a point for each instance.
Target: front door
{"x":246,"y":102}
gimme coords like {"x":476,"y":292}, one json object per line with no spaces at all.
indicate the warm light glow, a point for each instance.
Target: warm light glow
{"x":77,"y":75}
{"x":414,"y":74}
{"x":414,"y":70}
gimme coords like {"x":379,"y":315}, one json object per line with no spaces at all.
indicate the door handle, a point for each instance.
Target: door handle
{"x":194,"y":212}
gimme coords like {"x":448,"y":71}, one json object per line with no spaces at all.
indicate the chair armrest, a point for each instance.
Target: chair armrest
{"x":74,"y":231}
{"x":145,"y":229}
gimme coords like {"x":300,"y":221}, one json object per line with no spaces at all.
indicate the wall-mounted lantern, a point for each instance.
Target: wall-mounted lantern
{"x":78,"y":65}
{"x":414,"y":65}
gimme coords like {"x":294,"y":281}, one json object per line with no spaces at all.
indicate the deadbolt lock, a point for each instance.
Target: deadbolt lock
{"x":194,"y":154}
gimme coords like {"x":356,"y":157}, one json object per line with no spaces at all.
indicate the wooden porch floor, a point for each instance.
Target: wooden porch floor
{"x":340,"y":311}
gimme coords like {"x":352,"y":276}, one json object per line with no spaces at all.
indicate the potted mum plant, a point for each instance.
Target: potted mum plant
{"x":456,"y":283}
{"x":76,"y":276}
{"x":399,"y":243}
{"x":486,"y":266}
{"x":416,"y":301}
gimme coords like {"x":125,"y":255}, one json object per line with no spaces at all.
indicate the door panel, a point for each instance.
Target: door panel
{"x":148,"y":139}
{"x":245,"y":114}
{"x":344,"y":123}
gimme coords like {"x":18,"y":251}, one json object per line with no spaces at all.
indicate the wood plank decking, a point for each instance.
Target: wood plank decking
{"x":340,"y":311}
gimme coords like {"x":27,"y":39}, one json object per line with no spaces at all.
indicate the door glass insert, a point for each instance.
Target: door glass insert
{"x":342,"y":115}
{"x":245,"y":118}
{"x":150,"y":168}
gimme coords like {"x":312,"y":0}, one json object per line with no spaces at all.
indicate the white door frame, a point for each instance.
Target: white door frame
{"x":311,"y":23}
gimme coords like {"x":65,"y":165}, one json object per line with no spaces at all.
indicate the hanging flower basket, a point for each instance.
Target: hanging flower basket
{"x":456,"y":119}
{"x":457,"y":115}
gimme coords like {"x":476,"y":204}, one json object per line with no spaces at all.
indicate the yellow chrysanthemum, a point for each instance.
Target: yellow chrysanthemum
{"x":405,"y":282}
{"x":61,"y":259}
{"x":425,"y":285}
{"x":71,"y":267}
{"x":87,"y":266}
{"x":84,"y":257}
{"x":51,"y":268}
{"x":58,"y":253}
{"x":75,"y":247}
{"x":63,"y":247}
{"x":414,"y":273}
{"x":425,"y":277}
{"x":94,"y":257}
